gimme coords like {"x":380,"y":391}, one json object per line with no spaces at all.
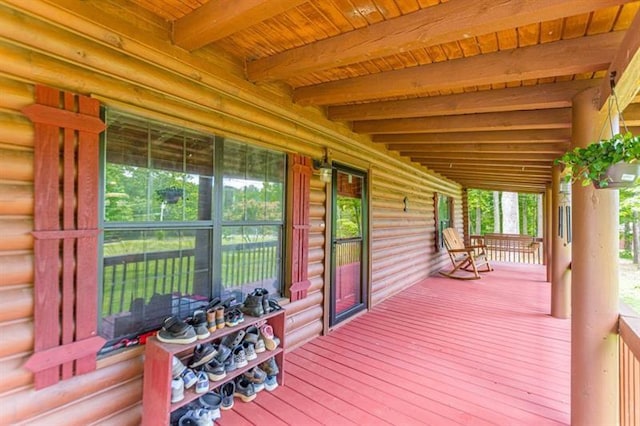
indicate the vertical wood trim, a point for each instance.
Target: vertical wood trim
{"x":436,"y":216}
{"x":67,"y":128}
{"x":301,"y":191}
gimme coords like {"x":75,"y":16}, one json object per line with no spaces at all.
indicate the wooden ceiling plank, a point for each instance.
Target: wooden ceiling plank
{"x":515,"y":158}
{"x":626,"y":65}
{"x":511,"y":178}
{"x":550,"y":148}
{"x":513,"y":120}
{"x":540,"y":165}
{"x":565,"y":57}
{"x":524,"y":136}
{"x":553,"y":95}
{"x":437,"y":25}
{"x":218,"y":19}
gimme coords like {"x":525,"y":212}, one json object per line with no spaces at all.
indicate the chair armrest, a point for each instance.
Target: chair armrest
{"x":462,"y":250}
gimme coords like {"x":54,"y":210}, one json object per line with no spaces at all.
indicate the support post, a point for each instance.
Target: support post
{"x":548,"y":231}
{"x":594,"y":338}
{"x":561,"y":263}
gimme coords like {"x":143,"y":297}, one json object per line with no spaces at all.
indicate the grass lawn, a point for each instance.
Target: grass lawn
{"x":630,"y":284}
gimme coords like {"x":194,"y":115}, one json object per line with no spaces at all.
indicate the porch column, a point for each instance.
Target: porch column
{"x":594,"y":339}
{"x":465,"y":216}
{"x":548,"y":230}
{"x":560,"y":266}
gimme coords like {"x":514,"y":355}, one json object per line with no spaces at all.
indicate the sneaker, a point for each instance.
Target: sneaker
{"x":174,"y":330}
{"x":177,"y":367}
{"x":270,"y":383}
{"x":197,"y":417}
{"x":249,"y":351}
{"x":211,"y":401}
{"x":231,"y":319}
{"x":251,"y":334}
{"x":274,"y":305}
{"x":202,"y":354}
{"x":257,"y":377}
{"x":239,"y":357}
{"x":226,"y":392}
{"x":200,"y":324}
{"x":189,"y":378}
{"x":244,"y":390}
{"x":230,"y":364}
{"x":177,"y":390}
{"x":215,"y":370}
{"x":270,"y":367}
{"x":223,"y":352}
{"x":202,"y":384}
{"x":260,"y":347}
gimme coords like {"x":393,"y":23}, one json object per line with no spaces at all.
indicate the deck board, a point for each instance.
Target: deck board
{"x":442,"y":352}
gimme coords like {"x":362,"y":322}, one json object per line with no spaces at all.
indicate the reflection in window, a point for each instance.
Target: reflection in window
{"x":159,"y":256}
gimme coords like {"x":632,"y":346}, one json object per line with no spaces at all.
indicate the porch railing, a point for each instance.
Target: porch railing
{"x":141,"y":275}
{"x":511,"y":247}
{"x":629,"y":368}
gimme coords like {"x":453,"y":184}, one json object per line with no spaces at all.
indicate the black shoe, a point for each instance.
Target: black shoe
{"x":202,"y":354}
{"x":226,"y":392}
{"x":244,"y":390}
{"x":253,"y":306}
{"x":177,"y":331}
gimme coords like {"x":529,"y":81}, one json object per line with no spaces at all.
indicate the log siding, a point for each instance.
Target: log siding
{"x":113,"y":57}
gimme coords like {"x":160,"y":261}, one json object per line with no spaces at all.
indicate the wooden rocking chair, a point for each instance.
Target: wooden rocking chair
{"x":464,"y":258}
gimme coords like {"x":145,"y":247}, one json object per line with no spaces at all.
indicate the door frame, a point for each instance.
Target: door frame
{"x":333,"y":320}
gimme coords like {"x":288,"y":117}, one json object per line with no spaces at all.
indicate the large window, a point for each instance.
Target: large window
{"x":187,"y":216}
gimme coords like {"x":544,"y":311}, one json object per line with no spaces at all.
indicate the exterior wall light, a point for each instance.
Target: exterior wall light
{"x":325,"y":169}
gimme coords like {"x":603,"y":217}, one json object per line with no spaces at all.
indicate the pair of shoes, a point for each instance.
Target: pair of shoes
{"x":215,"y":318}
{"x":256,"y":303}
{"x":174,"y":330}
{"x":270,"y":367}
{"x":257,"y":377}
{"x":270,"y":341}
{"x":226,"y":392}
{"x":233,"y":317}
{"x":198,"y":417}
{"x":244,"y":389}
{"x":202,"y":354}
{"x":252,"y":336}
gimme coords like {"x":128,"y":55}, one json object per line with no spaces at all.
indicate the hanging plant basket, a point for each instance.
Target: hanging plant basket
{"x":619,"y":175}
{"x":609,"y":163}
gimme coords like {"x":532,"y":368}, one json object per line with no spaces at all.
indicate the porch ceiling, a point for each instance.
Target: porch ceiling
{"x":478,"y":91}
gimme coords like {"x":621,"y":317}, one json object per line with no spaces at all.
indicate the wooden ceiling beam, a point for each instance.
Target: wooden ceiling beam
{"x":542,"y":96}
{"x":564,"y":57}
{"x":559,"y":118}
{"x":440,"y":24}
{"x":471,"y":149}
{"x":513,"y":136}
{"x":496,"y":178}
{"x":216,"y":20}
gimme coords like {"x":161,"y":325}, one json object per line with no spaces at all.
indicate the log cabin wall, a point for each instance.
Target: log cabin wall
{"x":117,"y":55}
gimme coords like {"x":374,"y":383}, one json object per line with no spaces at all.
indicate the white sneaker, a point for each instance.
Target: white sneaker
{"x":202,"y":385}
{"x":177,"y":390}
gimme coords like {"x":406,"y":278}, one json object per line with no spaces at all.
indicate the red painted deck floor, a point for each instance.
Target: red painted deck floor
{"x":441,"y":352}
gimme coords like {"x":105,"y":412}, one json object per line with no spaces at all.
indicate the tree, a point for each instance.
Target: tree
{"x":630,"y":214}
{"x":510,"y":213}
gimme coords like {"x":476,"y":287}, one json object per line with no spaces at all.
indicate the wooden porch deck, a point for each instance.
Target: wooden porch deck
{"x":441,"y":352}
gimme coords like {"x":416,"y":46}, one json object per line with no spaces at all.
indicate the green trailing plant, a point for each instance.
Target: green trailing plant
{"x":589,"y":164}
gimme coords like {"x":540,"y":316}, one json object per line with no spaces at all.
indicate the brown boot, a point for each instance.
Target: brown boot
{"x":219,"y":315}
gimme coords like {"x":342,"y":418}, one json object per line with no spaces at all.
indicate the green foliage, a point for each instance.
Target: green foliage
{"x":348,"y":220}
{"x":589,"y":164}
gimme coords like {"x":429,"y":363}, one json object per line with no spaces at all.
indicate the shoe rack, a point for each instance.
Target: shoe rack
{"x":156,"y":391}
